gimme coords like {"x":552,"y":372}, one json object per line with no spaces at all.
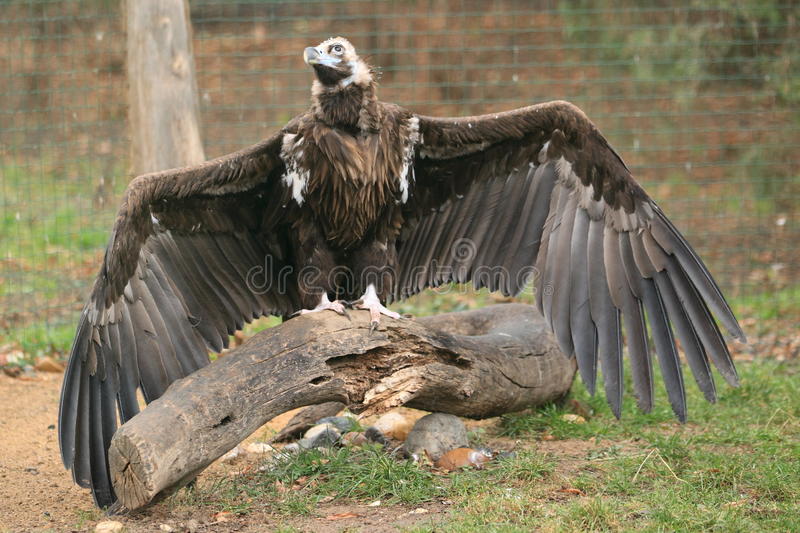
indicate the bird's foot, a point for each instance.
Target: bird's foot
{"x":337,"y":306}
{"x":371,"y":303}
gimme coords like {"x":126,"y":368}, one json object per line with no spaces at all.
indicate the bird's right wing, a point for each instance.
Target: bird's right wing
{"x":193,"y":255}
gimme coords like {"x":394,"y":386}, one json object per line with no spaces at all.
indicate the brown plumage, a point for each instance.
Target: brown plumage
{"x":359,"y":197}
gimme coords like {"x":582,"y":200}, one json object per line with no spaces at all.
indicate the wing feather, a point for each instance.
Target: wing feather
{"x":584,"y":331}
{"x":635,"y":328}
{"x":606,"y":317}
{"x":603,"y":253}
{"x":173,"y":284}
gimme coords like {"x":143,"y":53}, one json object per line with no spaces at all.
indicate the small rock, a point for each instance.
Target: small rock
{"x":463,"y":458}
{"x":573,"y":418}
{"x":354,"y":438}
{"x":394,"y":425}
{"x":343,"y":424}
{"x":376,"y":503}
{"x":192,"y":526}
{"x":436,"y":434}
{"x":12,"y":371}
{"x":375,"y":435}
{"x":321,"y":436}
{"x":419,"y":510}
{"x":166,"y":527}
{"x":231,"y":455}
{"x":48,"y":364}
{"x":28,"y":373}
{"x":259,"y":448}
{"x":292,"y":447}
{"x":10,"y":355}
{"x":109,"y":526}
{"x":502,"y":456}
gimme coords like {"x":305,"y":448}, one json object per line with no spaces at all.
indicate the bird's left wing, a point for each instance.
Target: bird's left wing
{"x":537,"y":193}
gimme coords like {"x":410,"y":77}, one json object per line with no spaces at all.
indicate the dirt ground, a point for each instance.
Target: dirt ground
{"x":37,"y":494}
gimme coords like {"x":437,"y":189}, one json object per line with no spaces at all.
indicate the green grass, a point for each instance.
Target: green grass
{"x":778,"y":304}
{"x":735,"y":466}
{"x":55,"y":217}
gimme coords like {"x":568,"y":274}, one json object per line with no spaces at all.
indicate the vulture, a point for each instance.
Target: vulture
{"x":358,"y":203}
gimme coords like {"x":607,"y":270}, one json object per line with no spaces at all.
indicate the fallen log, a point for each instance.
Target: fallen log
{"x":475,"y":364}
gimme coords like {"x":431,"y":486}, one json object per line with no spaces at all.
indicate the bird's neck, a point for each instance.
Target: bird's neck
{"x":351,"y":107}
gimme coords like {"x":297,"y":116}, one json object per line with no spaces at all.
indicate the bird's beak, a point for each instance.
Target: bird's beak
{"x":311,"y":56}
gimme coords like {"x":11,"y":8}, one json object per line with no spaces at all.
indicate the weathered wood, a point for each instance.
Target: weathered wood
{"x":476,"y":364}
{"x":163,"y":110}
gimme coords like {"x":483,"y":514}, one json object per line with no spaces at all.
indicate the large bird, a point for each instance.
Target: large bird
{"x":361,"y":199}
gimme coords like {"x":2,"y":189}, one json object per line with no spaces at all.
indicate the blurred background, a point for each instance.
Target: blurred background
{"x":701,"y":99}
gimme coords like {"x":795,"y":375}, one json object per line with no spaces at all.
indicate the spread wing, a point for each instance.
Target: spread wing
{"x":538,"y":193}
{"x":187,"y":264}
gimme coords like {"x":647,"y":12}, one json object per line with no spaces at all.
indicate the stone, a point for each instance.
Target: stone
{"x":232,"y":455}
{"x":259,"y":448}
{"x":394,"y":425}
{"x":343,"y":424}
{"x":375,"y":435}
{"x":12,"y":371}
{"x":354,"y":438}
{"x":166,"y":527}
{"x":320,"y":436}
{"x":573,"y":418}
{"x":292,"y":447}
{"x":48,"y":364}
{"x":436,"y":434}
{"x":109,"y":526}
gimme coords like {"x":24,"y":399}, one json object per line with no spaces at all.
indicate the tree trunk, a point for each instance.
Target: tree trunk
{"x":163,"y":113}
{"x":475,"y":364}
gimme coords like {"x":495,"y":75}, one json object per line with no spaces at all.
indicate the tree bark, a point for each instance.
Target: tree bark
{"x":475,"y":364}
{"x":163,"y":112}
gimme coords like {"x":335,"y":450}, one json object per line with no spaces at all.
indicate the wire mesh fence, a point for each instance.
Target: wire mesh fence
{"x":700,"y":99}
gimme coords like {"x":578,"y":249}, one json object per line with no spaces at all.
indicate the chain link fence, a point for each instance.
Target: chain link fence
{"x":700,"y":99}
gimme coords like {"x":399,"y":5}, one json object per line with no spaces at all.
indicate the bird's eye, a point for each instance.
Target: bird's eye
{"x":337,"y":48}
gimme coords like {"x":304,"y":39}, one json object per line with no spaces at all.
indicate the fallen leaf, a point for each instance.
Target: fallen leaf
{"x":342,"y":516}
{"x":221,"y":516}
{"x":736,"y":503}
{"x":419,"y":510}
{"x":570,"y":490}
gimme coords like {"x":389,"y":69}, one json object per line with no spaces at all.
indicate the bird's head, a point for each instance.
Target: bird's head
{"x":337,"y":65}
